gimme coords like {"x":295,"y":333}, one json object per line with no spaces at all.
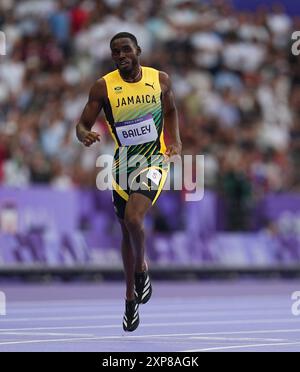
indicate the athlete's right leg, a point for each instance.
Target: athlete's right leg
{"x":128,"y":255}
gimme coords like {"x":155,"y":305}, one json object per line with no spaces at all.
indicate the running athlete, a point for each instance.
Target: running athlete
{"x":138,"y":104}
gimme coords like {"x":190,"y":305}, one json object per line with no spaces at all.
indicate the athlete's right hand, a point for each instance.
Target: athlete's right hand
{"x":90,"y":138}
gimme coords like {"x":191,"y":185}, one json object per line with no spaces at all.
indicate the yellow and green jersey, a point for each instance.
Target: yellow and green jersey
{"x":134,"y":113}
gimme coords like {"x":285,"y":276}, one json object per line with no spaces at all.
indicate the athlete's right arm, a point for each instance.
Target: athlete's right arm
{"x":90,"y":113}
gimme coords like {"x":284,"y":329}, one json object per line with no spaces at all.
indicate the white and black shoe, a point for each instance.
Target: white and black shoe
{"x":143,"y":287}
{"x":131,"y":318}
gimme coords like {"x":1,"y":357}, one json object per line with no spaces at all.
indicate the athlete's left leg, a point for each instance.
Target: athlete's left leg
{"x":136,"y":208}
{"x":128,"y":258}
{"x":131,"y":315}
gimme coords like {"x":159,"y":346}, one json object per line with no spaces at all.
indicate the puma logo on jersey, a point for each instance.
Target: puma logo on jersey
{"x":150,"y":85}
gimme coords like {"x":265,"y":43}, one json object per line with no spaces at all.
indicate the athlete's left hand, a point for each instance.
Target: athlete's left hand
{"x":174,"y":149}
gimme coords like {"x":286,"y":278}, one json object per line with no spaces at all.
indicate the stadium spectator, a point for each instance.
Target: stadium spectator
{"x":236,"y":83}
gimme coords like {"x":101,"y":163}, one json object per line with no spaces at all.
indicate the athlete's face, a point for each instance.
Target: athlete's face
{"x":125,"y":54}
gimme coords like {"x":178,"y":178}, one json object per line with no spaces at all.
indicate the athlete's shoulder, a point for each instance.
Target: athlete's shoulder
{"x":164,"y":77}
{"x":165,"y":80}
{"x":98,"y":90}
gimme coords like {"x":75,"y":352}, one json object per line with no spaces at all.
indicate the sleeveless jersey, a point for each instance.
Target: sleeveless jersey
{"x":134,"y":115}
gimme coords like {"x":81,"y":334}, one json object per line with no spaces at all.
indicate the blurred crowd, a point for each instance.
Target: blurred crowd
{"x":236,"y":83}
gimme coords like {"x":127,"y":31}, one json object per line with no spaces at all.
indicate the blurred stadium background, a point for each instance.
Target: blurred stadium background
{"x":238,"y":96}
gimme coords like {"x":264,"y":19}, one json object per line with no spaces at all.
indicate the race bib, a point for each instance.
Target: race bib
{"x":137,"y":131}
{"x":154,"y":175}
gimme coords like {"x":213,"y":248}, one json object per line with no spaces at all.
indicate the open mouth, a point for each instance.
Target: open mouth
{"x":123,"y":63}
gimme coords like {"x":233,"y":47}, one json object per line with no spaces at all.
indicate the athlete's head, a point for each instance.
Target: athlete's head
{"x":125,"y":51}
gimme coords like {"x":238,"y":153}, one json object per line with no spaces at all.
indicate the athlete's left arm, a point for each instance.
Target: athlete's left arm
{"x":170,"y":116}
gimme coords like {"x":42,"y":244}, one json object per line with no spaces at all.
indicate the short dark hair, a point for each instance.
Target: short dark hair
{"x":124,"y":35}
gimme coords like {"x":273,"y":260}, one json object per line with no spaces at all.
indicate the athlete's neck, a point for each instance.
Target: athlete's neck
{"x":132,"y":76}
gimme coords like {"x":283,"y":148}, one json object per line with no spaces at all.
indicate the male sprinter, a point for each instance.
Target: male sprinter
{"x":138,"y":103}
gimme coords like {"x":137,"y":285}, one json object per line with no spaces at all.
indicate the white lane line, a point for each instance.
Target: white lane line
{"x":150,"y":336}
{"x":241,"y":347}
{"x":175,"y":324}
{"x":17,"y":333}
{"x":59,"y":318}
{"x":46,"y":341}
{"x":239,"y":339}
{"x":190,"y":335}
{"x":132,"y":338}
{"x":149,"y":315}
